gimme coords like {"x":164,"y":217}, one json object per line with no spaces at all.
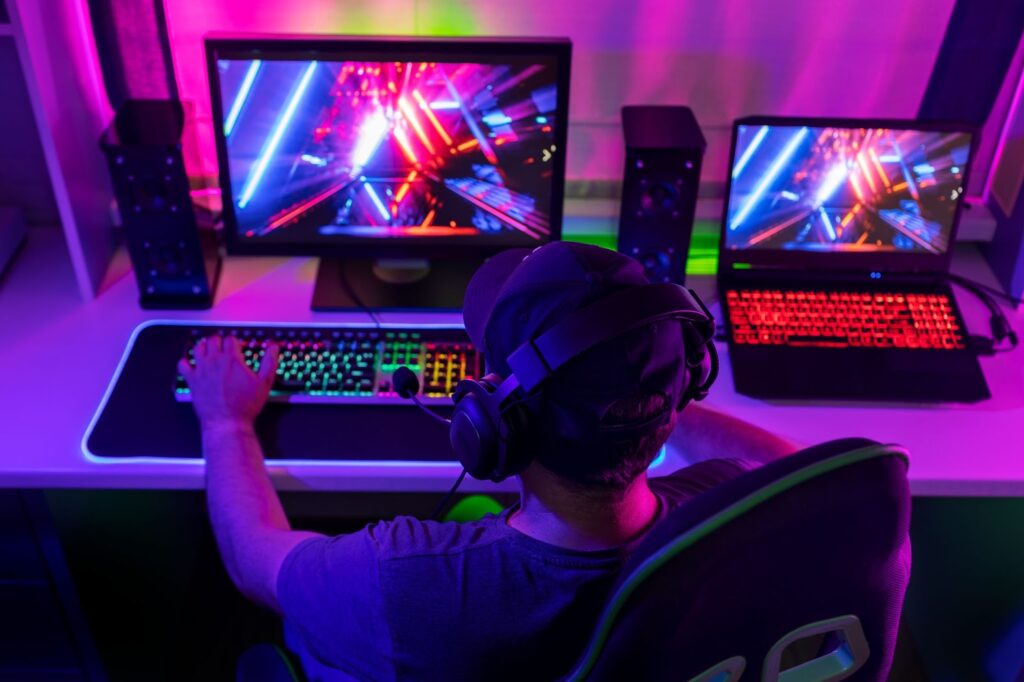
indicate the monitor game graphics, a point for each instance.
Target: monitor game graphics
{"x":838,"y":189}
{"x":325,"y":151}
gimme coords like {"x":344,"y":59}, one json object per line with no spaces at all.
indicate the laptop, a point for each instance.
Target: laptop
{"x":835,"y":247}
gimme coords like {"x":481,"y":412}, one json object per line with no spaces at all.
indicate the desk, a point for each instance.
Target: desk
{"x":58,"y":354}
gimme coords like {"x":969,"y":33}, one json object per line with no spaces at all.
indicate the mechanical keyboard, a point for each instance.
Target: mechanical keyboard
{"x":844,"y":319}
{"x":344,"y":364}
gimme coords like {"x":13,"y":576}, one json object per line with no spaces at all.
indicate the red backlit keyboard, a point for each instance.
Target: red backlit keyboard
{"x":838,"y":319}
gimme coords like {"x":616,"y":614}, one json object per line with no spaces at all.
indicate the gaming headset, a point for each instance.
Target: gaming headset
{"x":489,"y":426}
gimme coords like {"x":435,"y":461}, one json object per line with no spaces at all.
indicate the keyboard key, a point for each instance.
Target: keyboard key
{"x":839,"y":319}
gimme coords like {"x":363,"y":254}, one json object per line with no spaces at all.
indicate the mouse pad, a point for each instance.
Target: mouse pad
{"x":141,"y":418}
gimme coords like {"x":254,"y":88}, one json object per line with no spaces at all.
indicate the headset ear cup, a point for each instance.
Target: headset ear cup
{"x":474,"y":438}
{"x":515,"y":432}
{"x":698,"y":366}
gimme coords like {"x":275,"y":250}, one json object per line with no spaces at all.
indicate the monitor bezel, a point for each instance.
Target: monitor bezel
{"x":368,"y":48}
{"x":868,"y":262}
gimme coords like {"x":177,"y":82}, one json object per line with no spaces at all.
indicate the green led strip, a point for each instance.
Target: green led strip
{"x":703,"y":256}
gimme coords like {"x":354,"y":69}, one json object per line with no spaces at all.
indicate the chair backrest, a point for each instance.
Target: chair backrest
{"x":812,"y":549}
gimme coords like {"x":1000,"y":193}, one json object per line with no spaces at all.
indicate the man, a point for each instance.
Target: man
{"x":512,"y":596}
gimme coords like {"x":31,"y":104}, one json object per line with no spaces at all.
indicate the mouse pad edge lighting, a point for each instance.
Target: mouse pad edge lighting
{"x":139,"y":418}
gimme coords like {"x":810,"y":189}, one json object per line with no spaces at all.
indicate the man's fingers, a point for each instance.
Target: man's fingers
{"x":268,"y":365}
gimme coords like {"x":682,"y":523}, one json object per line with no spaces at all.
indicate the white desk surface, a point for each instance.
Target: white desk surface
{"x":58,"y":354}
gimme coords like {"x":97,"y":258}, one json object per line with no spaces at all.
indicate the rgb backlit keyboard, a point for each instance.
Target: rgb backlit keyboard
{"x":838,"y":319}
{"x":351,"y":364}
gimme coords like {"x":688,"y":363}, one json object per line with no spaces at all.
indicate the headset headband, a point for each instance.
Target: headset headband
{"x":612,"y":316}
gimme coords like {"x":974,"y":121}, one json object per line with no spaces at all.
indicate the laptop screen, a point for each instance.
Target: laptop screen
{"x":847,"y":189}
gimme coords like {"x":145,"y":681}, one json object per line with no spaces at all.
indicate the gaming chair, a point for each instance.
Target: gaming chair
{"x":810,"y":552}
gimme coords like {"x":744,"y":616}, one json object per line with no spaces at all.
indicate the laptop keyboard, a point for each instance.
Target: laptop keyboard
{"x":838,"y":319}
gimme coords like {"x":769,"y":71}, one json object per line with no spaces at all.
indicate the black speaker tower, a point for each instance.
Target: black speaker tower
{"x":176,"y":264}
{"x":664,"y":149}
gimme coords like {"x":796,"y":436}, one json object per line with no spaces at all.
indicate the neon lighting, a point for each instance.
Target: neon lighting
{"x":275,"y":137}
{"x":856,"y":188}
{"x":496,"y":119}
{"x":243,"y":94}
{"x":832,"y":182}
{"x":405,"y":187}
{"x":789,"y":195}
{"x":430,"y":117}
{"x":376,"y":200}
{"x":403,"y":142}
{"x":522,"y":227}
{"x":924,"y":168}
{"x":954,"y":169}
{"x":866,"y":173}
{"x":470,"y":122}
{"x":769,"y":177}
{"x":371,"y":134}
{"x":889,"y":158}
{"x":468,"y":145}
{"x":878,"y":167}
{"x":443,"y":106}
{"x":849,"y":216}
{"x":314,"y":160}
{"x":828,"y":224}
{"x":410,"y":116}
{"x":304,"y":206}
{"x":541,"y":119}
{"x":749,"y":151}
{"x":430,"y":216}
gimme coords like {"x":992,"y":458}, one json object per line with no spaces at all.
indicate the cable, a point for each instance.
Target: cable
{"x":998,"y":322}
{"x":444,"y":501}
{"x":355,"y":297}
{"x":999,"y":293}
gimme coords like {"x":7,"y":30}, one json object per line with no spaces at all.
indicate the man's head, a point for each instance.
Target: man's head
{"x":585,"y":419}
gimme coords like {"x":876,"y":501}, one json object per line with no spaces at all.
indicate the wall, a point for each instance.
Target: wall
{"x":726,"y":58}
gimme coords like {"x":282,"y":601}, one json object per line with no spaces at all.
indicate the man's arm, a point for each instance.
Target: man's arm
{"x":703,"y":433}
{"x":252,"y":532}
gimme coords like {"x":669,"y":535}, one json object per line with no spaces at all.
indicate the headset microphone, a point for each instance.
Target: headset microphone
{"x":406,"y":385}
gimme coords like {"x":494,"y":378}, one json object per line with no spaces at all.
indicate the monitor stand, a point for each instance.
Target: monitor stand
{"x":398,"y":285}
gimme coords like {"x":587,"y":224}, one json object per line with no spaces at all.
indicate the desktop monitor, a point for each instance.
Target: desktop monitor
{"x":402,"y":162}
{"x":858,"y":194}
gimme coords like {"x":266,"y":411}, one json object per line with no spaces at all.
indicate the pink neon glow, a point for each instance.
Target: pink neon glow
{"x":410,"y":116}
{"x":425,"y":108}
{"x":403,"y":142}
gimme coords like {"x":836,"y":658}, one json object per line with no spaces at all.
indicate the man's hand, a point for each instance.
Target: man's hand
{"x":226,"y":393}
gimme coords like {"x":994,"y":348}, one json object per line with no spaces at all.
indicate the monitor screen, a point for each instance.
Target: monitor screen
{"x":366,"y":147}
{"x":845,"y":189}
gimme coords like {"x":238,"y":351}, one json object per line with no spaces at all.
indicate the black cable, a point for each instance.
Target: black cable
{"x":999,"y":324}
{"x":999,"y":293}
{"x":355,"y":297}
{"x":444,"y":501}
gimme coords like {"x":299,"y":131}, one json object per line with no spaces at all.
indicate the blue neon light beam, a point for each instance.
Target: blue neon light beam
{"x":828,"y":224}
{"x":275,"y":137}
{"x":749,"y":151}
{"x":376,"y":200}
{"x":243,"y":94}
{"x":769,"y":177}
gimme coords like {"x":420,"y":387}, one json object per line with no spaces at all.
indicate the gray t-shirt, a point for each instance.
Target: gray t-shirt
{"x":412,"y":599}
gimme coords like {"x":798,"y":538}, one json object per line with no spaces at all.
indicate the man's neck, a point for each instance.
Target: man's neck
{"x":555,"y":514}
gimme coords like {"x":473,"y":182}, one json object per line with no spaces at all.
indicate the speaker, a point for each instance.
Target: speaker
{"x":175,"y":264}
{"x":664,"y":150}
